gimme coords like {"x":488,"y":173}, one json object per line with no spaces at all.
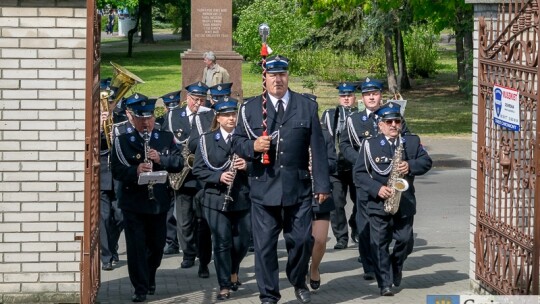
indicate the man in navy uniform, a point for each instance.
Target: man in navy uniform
{"x":334,"y":121}
{"x":110,"y":225}
{"x":144,"y":208}
{"x":282,"y":191}
{"x":171,"y":101}
{"x":372,"y":172}
{"x":359,"y":126}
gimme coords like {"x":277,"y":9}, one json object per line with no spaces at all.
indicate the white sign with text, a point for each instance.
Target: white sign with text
{"x":506,"y":105}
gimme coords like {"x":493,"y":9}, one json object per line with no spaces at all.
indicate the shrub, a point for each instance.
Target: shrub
{"x":287,"y":26}
{"x":421,"y":50}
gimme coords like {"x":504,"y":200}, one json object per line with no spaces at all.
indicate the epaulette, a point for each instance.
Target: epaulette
{"x":203,"y":109}
{"x":123,"y":128}
{"x":310,"y":96}
{"x":248,"y":99}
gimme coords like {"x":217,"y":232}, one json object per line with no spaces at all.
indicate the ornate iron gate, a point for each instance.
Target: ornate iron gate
{"x":508,"y":206}
{"x":90,"y":264}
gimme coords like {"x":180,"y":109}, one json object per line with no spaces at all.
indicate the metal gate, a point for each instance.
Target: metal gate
{"x":90,"y":263}
{"x":508,"y":211}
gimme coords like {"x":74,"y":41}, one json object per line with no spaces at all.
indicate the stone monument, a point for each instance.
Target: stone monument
{"x":211,"y":30}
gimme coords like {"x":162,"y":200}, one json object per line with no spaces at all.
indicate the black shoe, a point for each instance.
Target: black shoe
{"x":251,"y":248}
{"x":397,"y":278}
{"x":302,"y":294}
{"x":115,"y":259}
{"x":354,"y":235}
{"x":315,"y":284}
{"x":151,"y":289}
{"x":204,"y":273}
{"x":107,"y":266}
{"x":223,"y":296}
{"x":234,"y":286}
{"x":138,"y":298}
{"x":171,"y":249}
{"x":386,"y":292}
{"x":268,"y":302}
{"x":187,"y":263}
{"x":368,"y":276}
{"x":341,"y":244}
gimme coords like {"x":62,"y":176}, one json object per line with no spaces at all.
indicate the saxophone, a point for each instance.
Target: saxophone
{"x":177,"y":179}
{"x":228,"y":197}
{"x":396,"y":181}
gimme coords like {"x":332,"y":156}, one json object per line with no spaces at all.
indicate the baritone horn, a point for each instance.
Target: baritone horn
{"x":122,"y":81}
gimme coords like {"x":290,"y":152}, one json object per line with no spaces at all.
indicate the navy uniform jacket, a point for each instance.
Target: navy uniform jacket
{"x":218,"y":152}
{"x":365,"y":127}
{"x":370,"y":181}
{"x":286,"y":180}
{"x":127,"y":154}
{"x":202,"y":120}
{"x":176,"y":121}
{"x":328,"y":205}
{"x":105,"y":176}
{"x":335,"y":121}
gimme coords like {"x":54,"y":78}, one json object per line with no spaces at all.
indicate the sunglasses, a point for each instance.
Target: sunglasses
{"x":390,"y":121}
{"x":197,"y":99}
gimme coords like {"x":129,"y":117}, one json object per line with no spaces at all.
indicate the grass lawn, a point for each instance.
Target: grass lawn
{"x":434,"y":105}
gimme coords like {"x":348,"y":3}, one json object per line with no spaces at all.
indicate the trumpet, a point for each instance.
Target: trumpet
{"x":228,"y":198}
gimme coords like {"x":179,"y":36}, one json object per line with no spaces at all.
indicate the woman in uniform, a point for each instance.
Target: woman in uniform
{"x":226,"y":201}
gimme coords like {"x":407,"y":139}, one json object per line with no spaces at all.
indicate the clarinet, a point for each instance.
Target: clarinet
{"x":228,"y":197}
{"x":146,"y":138}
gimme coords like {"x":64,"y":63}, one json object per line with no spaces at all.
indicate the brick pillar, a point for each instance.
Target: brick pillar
{"x":42,"y":90}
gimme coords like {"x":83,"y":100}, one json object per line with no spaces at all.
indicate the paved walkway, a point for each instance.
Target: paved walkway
{"x":439,"y":263}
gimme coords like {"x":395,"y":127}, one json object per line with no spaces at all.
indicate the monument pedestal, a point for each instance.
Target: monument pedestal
{"x":193,"y":66}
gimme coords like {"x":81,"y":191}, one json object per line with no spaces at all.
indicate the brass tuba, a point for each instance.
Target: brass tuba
{"x":122,"y":81}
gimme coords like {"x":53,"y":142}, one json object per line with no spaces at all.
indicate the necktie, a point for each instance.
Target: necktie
{"x":392,"y":145}
{"x":190,"y":117}
{"x":280,"y":111}
{"x":228,"y":140}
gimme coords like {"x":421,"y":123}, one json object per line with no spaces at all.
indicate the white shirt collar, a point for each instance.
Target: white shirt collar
{"x":225,"y":134}
{"x":285,"y":100}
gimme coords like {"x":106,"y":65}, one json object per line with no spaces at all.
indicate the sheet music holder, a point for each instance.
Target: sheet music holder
{"x":155,"y":177}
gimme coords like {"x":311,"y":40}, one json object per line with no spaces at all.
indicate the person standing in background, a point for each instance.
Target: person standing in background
{"x":213,"y":73}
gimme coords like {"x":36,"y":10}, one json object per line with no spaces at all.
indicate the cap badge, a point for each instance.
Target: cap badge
{"x":367,"y":79}
{"x":391,"y":105}
{"x":136,"y":96}
{"x":199,"y":84}
{"x":226,"y":98}
{"x":344,"y":85}
{"x":383,"y":142}
{"x":171,"y":96}
{"x":219,"y":88}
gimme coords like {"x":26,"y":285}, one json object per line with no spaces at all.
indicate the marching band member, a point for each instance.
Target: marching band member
{"x":144,"y":211}
{"x":372,"y":173}
{"x":334,"y":121}
{"x":224,"y":176}
{"x":281,"y":191}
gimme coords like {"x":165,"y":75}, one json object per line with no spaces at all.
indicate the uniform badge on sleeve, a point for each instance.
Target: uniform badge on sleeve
{"x":383,"y":142}
{"x":132,"y":138}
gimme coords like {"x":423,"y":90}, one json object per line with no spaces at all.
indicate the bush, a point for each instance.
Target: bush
{"x":287,"y":26}
{"x":421,"y":50}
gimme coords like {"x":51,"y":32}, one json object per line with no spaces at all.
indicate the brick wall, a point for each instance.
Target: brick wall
{"x":42,"y":89}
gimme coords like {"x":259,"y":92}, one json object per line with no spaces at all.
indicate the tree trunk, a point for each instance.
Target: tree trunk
{"x":132,"y":32}
{"x":468,"y":52}
{"x":460,"y":56}
{"x":403,"y":77}
{"x":145,"y":11}
{"x":390,"y":70}
{"x":186,"y":22}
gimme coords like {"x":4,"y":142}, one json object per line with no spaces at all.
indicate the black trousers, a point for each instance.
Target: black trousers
{"x":342,"y":184}
{"x":172,"y":230}
{"x":364,"y":245}
{"x":204,"y":235}
{"x":186,"y":222}
{"x":267,"y":223}
{"x":230,"y":235}
{"x":145,"y":239}
{"x":383,"y":230}
{"x":110,"y":225}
